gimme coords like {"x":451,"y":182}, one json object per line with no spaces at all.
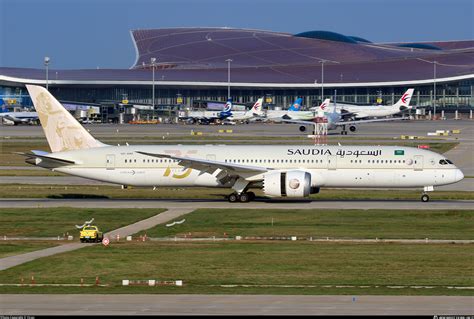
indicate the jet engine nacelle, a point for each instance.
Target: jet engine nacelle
{"x":290,"y":184}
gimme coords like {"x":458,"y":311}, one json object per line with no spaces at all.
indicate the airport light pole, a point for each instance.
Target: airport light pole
{"x":322,"y":80}
{"x":228,"y":77}
{"x":315,"y":85}
{"x":46,"y":63}
{"x":434,"y":88}
{"x":153,"y":63}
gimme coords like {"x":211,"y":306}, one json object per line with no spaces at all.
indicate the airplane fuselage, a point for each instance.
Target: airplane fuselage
{"x":365,"y":111}
{"x":329,"y":166}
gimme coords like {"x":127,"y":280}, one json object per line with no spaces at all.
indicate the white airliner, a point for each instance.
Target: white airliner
{"x":255,"y":112}
{"x":280,"y":170}
{"x":369,"y":111}
{"x":335,"y":119}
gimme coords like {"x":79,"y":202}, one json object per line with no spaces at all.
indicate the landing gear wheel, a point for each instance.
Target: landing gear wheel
{"x":233,"y":198}
{"x":244,"y":197}
{"x":425,"y":198}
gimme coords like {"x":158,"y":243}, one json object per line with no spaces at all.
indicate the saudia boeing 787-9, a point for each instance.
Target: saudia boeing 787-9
{"x":280,"y":170}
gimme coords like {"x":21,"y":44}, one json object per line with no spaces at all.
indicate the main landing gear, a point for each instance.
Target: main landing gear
{"x":352,"y":128}
{"x":242,"y":197}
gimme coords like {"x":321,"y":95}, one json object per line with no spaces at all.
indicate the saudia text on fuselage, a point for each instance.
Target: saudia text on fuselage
{"x":339,"y":152}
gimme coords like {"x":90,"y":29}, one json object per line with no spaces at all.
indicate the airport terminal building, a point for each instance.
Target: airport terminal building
{"x":187,"y":66}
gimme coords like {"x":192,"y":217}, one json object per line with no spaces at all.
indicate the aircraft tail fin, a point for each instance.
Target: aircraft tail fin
{"x":404,"y":102}
{"x":62,"y":130}
{"x":324,"y":106}
{"x":257,"y":107}
{"x":296,"y":106}
{"x":227,"y":111}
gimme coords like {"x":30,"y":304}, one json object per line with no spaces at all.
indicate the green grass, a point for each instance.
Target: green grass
{"x":10,"y":248}
{"x":47,"y":222}
{"x":203,"y":266}
{"x":418,"y":224}
{"x":92,"y":191}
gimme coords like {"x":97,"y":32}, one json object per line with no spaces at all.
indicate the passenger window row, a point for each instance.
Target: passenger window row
{"x":386,"y":161}
{"x":151,"y":161}
{"x":271,"y":161}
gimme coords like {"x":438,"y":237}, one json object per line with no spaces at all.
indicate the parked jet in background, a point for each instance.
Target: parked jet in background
{"x":335,"y":119}
{"x":15,"y":118}
{"x":207,"y":117}
{"x":370,"y":111}
{"x":255,"y":112}
{"x":279,"y":170}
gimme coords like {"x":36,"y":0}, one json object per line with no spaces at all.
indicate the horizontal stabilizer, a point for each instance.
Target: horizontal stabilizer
{"x":47,"y":158}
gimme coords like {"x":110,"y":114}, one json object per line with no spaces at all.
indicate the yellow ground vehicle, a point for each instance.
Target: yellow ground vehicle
{"x":91,"y":234}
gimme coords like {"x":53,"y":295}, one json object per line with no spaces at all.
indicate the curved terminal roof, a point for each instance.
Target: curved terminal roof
{"x":198,"y":57}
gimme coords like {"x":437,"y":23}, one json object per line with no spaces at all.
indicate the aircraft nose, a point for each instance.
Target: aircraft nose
{"x":458,"y":175}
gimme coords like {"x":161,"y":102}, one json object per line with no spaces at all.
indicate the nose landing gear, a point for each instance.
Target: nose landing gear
{"x":425,"y":198}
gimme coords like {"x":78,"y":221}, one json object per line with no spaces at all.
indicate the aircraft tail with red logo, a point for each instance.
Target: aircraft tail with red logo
{"x":325,"y":106}
{"x":404,"y":102}
{"x":257,"y":107}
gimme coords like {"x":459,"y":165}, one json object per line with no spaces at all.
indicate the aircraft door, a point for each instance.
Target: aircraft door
{"x":110,"y":161}
{"x":332,"y":162}
{"x":418,"y":163}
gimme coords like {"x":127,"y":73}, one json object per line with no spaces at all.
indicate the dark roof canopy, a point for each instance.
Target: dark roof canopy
{"x":358,"y":39}
{"x":419,"y":46}
{"x":192,"y":56}
{"x":326,"y":35}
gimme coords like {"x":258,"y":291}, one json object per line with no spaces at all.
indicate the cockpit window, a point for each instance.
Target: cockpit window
{"x":445,"y":162}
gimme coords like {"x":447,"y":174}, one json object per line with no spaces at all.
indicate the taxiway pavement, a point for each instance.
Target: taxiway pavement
{"x":146,"y":304}
{"x":223,"y":204}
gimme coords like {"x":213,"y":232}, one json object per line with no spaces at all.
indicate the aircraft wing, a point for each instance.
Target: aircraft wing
{"x":370,"y":121}
{"x":209,"y":166}
{"x":346,"y":114}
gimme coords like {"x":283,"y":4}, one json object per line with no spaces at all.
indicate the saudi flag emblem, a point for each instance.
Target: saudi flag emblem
{"x":399,"y":152}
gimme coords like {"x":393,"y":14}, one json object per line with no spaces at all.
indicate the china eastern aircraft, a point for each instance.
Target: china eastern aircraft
{"x":255,"y":112}
{"x":335,"y":119}
{"x":280,"y":170}
{"x":370,"y":111}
